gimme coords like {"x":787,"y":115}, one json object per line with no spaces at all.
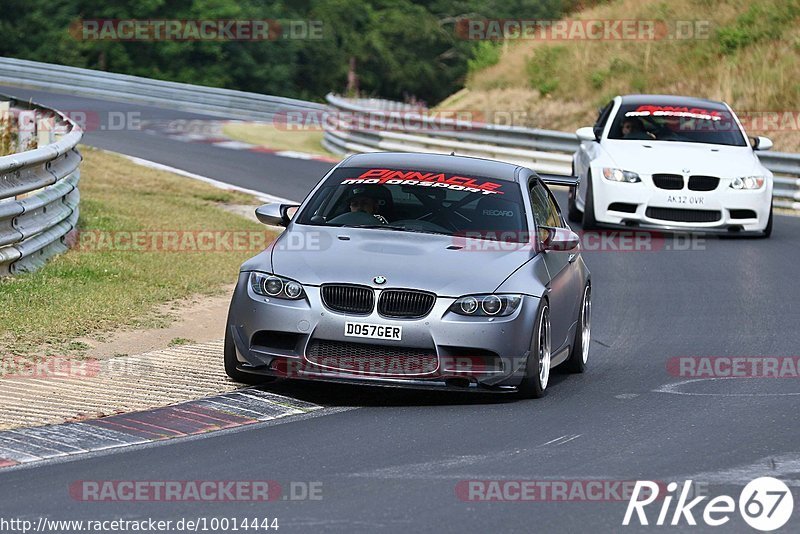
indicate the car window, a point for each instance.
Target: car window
{"x":545,"y":211}
{"x":712,"y":124}
{"x":423,"y":200}
{"x":602,"y":118}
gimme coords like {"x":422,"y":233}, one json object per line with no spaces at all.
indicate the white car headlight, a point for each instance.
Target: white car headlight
{"x":269,"y":285}
{"x":747,"y":182}
{"x":618,"y":175}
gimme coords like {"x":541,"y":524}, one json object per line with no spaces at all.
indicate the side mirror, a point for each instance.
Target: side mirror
{"x":276,"y":214}
{"x":586,"y":134}
{"x":762,"y":143}
{"x":558,"y":239}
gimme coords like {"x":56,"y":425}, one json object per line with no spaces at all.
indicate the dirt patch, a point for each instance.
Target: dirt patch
{"x":194,"y":320}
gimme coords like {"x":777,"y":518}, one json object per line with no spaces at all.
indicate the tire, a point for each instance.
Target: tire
{"x":768,"y":229}
{"x":589,"y":222}
{"x":537,"y":368}
{"x":229,"y":357}
{"x":579,"y":353}
{"x":573,"y":213}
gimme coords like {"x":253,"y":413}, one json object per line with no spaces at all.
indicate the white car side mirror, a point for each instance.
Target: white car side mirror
{"x":585,"y":134}
{"x":762,"y":143}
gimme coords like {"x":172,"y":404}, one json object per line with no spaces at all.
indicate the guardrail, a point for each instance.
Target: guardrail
{"x":122,"y":87}
{"x":38,"y":188}
{"x":410,"y":129}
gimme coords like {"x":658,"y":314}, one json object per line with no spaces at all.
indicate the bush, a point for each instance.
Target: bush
{"x":485,"y":54}
{"x":542,"y":68}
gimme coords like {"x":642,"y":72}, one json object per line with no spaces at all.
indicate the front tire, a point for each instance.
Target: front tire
{"x":579,"y":354}
{"x":589,"y":221}
{"x":768,"y":228}
{"x":573,"y":213}
{"x":537,"y":368}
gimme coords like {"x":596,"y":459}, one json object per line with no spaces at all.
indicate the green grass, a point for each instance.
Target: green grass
{"x":90,"y":290}
{"x":178,"y":341}
{"x":542,"y":68}
{"x":307,"y":140}
{"x":485,"y":54}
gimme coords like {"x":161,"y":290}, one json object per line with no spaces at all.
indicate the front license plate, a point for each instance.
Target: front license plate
{"x":688,"y":200}
{"x":373,"y":331}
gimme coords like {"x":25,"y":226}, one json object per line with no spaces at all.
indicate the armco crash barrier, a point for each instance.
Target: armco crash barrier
{"x":38,"y":187}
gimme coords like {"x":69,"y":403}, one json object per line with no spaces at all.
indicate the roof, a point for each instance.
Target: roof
{"x":462,"y":165}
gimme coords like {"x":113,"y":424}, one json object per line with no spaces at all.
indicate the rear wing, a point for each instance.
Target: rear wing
{"x":559,"y":179}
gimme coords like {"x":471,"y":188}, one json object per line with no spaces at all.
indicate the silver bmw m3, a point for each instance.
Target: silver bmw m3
{"x":415,"y":270}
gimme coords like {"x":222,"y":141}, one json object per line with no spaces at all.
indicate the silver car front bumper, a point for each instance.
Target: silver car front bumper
{"x":272,"y":337}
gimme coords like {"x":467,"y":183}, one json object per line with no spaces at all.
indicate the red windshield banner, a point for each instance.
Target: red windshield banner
{"x":426,"y":179}
{"x":675,"y":111}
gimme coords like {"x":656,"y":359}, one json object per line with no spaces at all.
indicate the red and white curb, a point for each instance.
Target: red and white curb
{"x":235,"y":409}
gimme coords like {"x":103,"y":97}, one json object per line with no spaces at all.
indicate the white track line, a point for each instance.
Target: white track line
{"x":216,"y":183}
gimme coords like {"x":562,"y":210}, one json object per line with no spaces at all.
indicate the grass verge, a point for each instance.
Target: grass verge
{"x":268,"y":136}
{"x":101,"y":284}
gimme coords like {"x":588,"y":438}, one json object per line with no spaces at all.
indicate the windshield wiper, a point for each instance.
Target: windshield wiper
{"x":394,"y":228}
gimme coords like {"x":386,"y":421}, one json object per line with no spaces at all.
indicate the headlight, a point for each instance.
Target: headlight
{"x":618,"y":175}
{"x":747,"y":182}
{"x":486,"y":305}
{"x":270,"y":285}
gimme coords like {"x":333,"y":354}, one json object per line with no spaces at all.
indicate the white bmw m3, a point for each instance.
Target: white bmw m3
{"x":673,"y":163}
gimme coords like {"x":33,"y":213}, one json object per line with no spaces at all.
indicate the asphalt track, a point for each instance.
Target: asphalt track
{"x":393,"y":463}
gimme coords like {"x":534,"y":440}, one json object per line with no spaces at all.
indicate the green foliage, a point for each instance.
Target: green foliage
{"x":541,"y":68}
{"x":598,"y":78}
{"x":401,"y":48}
{"x":762,"y":21}
{"x":485,"y":54}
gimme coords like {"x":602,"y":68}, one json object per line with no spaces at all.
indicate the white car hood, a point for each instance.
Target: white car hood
{"x":649,"y":157}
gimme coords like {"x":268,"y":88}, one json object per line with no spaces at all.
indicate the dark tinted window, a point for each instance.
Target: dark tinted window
{"x":545,"y":212}
{"x":602,"y":118}
{"x":418,"y":200}
{"x":712,"y":124}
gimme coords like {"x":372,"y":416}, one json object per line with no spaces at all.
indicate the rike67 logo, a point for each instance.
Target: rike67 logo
{"x":766,"y":504}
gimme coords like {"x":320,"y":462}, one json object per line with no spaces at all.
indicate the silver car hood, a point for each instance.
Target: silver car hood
{"x":315,"y":255}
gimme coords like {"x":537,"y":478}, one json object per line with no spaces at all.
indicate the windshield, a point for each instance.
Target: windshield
{"x":416,"y":200}
{"x":712,"y":124}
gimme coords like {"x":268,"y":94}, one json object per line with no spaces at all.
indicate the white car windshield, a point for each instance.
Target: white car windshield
{"x":689,"y":124}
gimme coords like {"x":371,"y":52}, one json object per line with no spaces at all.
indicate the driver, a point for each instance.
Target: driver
{"x":365,"y":199}
{"x":632,"y":128}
